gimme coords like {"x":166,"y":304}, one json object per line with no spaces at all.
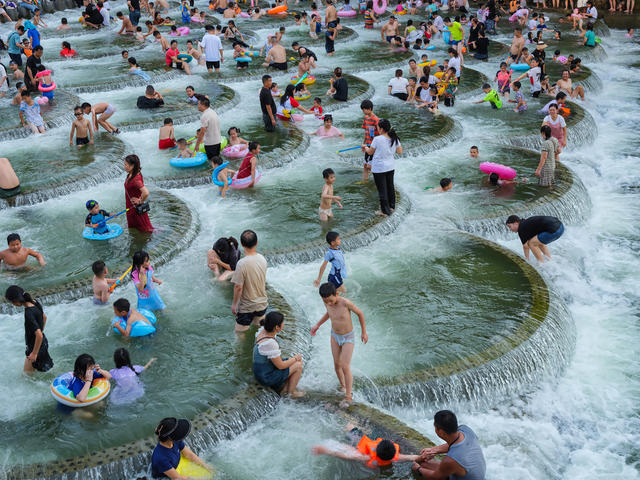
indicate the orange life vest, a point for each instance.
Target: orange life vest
{"x":368,"y":447}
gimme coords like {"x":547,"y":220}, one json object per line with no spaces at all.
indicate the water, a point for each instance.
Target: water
{"x":541,"y":365}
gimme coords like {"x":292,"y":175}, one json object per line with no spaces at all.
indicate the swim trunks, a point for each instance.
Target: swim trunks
{"x":214,"y":64}
{"x":389,"y":38}
{"x":82,"y":140}
{"x":279,"y":66}
{"x":328,"y":212}
{"x":342,"y":339}
{"x":97,"y":301}
{"x":246,"y":318}
{"x":336,"y":278}
{"x":109,"y":110}
{"x":166,"y":143}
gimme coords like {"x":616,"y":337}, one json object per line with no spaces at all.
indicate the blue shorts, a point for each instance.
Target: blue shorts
{"x":547,"y":238}
{"x":454,"y":42}
{"x":336,"y":279}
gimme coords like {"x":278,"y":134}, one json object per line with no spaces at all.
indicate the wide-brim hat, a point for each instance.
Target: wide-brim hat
{"x":178,"y":431}
{"x":541,"y":46}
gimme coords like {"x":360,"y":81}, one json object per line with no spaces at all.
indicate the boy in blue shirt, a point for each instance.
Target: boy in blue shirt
{"x":334,"y":255}
{"x":96,"y":216}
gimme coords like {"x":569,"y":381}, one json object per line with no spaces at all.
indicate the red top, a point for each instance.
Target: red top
{"x":67,"y":52}
{"x":245,"y":167}
{"x":369,"y":123}
{"x":133,"y":189}
{"x":171,"y":53}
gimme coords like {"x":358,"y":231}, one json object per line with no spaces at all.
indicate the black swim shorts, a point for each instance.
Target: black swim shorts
{"x":245,"y":319}
{"x":214,"y":64}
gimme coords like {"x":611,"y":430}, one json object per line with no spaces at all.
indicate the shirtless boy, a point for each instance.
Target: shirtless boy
{"x":105,"y":111}
{"x":122,"y":308}
{"x":16,"y":255}
{"x":342,"y":336}
{"x":127,"y":26}
{"x":327,"y":197}
{"x":101,"y":291}
{"x":82,"y":128}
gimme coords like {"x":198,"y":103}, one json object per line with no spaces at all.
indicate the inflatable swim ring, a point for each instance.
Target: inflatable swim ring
{"x":347,"y":13}
{"x":186,"y":57}
{"x":565,"y":111}
{"x":504,"y":172}
{"x":598,"y":40}
{"x":277,"y":10}
{"x":43,"y":73}
{"x":244,"y":182}
{"x":139,"y":328}
{"x":183,"y":30}
{"x":446,"y":36}
{"x":223,"y":143}
{"x":428,"y":63}
{"x":42,"y":100}
{"x":441,"y":87}
{"x":192,"y":470}
{"x":243,"y":59}
{"x":114,"y":230}
{"x":430,"y":47}
{"x":50,"y":88}
{"x":303,"y":97}
{"x":244,"y":15}
{"x":60,"y":390}
{"x":140,"y":73}
{"x":216,"y":171}
{"x":379,"y":6}
{"x":310,"y":80}
{"x":296,"y":117}
{"x":252,"y":54}
{"x":561,"y":59}
{"x":198,"y":159}
{"x":235,"y":151}
{"x":519,"y":66}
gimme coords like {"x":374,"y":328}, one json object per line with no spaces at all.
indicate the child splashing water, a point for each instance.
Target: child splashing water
{"x":143,"y":279}
{"x":122,"y":310}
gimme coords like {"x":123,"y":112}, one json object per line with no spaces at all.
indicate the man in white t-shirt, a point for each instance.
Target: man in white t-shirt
{"x":592,"y":13}
{"x":534,"y":74}
{"x":4,"y":81}
{"x":399,"y":86}
{"x":212,"y":49}
{"x":209,"y":133}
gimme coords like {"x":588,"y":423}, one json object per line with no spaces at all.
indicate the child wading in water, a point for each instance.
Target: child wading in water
{"x":143,"y":279}
{"x":342,"y":336}
{"x":369,"y":124}
{"x":223,"y":176}
{"x":128,"y":386}
{"x":327,"y":197}
{"x":338,"y":266}
{"x":101,"y":291}
{"x":82,"y":128}
{"x":37,"y":351}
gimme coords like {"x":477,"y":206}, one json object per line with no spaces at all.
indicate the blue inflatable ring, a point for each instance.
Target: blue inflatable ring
{"x":519,"y":66}
{"x":114,"y":231}
{"x":198,"y":159}
{"x":139,"y":328}
{"x":242,"y":59}
{"x":216,"y":171}
{"x":430,"y":47}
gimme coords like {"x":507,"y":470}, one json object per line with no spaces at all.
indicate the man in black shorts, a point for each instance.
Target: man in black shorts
{"x":267,"y":104}
{"x":536,"y":233}
{"x":302,"y":50}
{"x":249,"y":279}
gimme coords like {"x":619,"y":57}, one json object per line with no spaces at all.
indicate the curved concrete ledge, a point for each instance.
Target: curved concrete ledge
{"x":219,"y":422}
{"x":275,"y":159}
{"x":127,"y":81}
{"x":186,"y":228}
{"x":70,"y":184}
{"x":542,"y":344}
{"x":354,"y":101}
{"x":568,"y":200}
{"x":351,"y":240}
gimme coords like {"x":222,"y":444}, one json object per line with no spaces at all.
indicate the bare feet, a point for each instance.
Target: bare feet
{"x":297,"y":394}
{"x":381,"y":214}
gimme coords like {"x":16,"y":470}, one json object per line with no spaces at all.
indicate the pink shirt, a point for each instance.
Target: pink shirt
{"x":332,"y":132}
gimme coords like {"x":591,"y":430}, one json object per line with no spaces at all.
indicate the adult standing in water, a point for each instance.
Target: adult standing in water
{"x":546,"y":171}
{"x":383,"y":164}
{"x":136,"y":195}
{"x":209,"y":133}
{"x":37,"y":351}
{"x":134,"y":11}
{"x":536,"y":233}
{"x":9,"y":182}
{"x":330,"y":13}
{"x":463,"y":455}
{"x":250,"y":290}
{"x":267,"y":104}
{"x":31,"y":69}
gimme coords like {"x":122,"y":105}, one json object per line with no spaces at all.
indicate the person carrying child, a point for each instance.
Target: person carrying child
{"x":143,"y":279}
{"x":81,"y":127}
{"x":167,"y":137}
{"x":334,"y":255}
{"x":123,"y":310}
{"x":97,"y":217}
{"x":339,"y":311}
{"x":37,"y":351}
{"x":100,"y":283}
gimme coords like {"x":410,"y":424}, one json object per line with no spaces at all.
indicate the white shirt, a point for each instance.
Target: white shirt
{"x":383,"y":158}
{"x":438,"y":22}
{"x":211,"y":122}
{"x":398,"y":85}
{"x":533,"y":24}
{"x":105,"y":16}
{"x":413,"y":35}
{"x":269,"y":348}
{"x":455,"y":63}
{"x":559,"y":121}
{"x":425,"y":95}
{"x":593,"y":12}
{"x":4,"y":87}
{"x":534,"y":76}
{"x":212,"y":46}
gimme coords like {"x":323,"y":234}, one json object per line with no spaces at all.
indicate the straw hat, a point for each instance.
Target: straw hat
{"x":541,"y":45}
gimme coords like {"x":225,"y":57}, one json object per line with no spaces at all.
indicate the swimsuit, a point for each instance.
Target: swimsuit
{"x":109,"y":110}
{"x":97,"y":301}
{"x":328,"y":212}
{"x":342,"y":339}
{"x":82,"y":140}
{"x":166,"y":143}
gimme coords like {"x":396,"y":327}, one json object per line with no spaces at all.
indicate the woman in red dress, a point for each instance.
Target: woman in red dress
{"x":135,"y":193}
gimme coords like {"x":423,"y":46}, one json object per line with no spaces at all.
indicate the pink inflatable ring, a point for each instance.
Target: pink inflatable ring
{"x":504,"y":172}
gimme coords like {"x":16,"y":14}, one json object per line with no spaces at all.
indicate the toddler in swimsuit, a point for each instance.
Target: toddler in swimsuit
{"x":327,"y":197}
{"x":342,"y":336}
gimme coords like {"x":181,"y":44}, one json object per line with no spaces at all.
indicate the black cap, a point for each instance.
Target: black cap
{"x":175,"y":429}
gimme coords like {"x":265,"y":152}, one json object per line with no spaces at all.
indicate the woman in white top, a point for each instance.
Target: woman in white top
{"x":454,"y":62}
{"x":268,"y":367}
{"x":4,"y":80}
{"x":399,"y":86}
{"x":383,"y":148}
{"x":557,"y":124}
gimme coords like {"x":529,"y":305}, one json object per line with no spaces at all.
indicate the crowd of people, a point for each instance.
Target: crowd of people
{"x":426,"y":85}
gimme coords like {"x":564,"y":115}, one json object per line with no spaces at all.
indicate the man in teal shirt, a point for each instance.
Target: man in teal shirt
{"x":589,"y":37}
{"x":13,"y":47}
